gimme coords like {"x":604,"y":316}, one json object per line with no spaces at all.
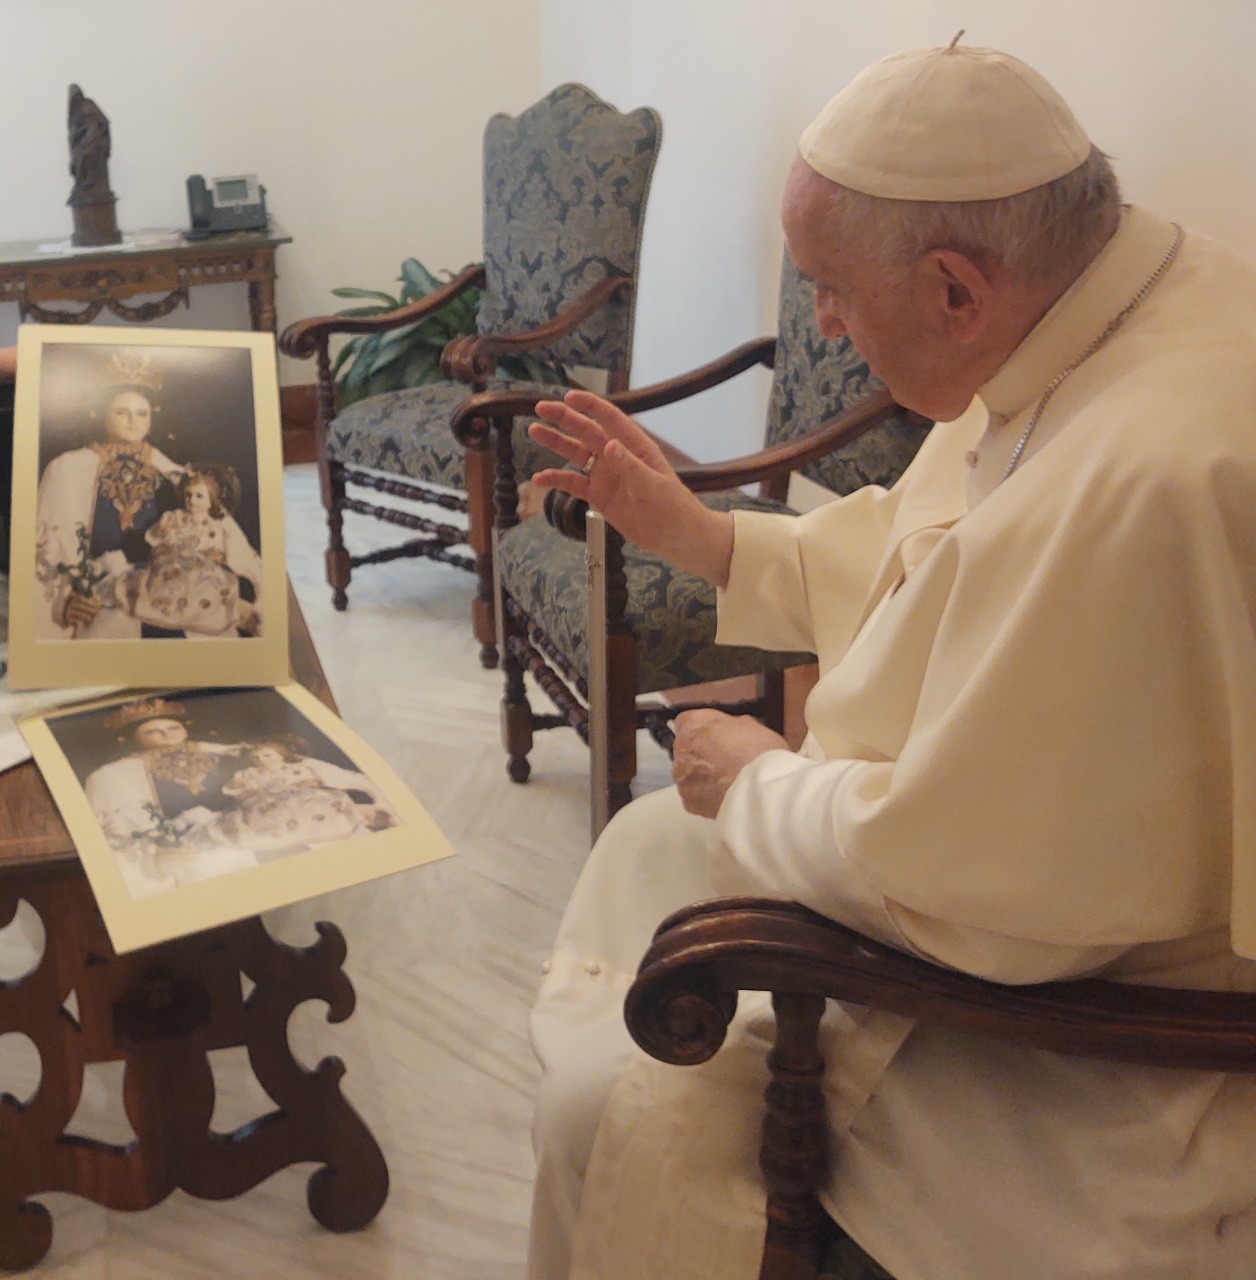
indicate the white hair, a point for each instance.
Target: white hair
{"x":1051,"y":229}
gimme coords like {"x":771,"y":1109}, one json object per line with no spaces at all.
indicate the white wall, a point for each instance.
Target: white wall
{"x":362,"y":119}
{"x":1165,"y":88}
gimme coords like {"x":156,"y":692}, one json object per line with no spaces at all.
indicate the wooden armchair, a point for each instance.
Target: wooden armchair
{"x":565,"y":191}
{"x":685,"y":995}
{"x":597,"y":638}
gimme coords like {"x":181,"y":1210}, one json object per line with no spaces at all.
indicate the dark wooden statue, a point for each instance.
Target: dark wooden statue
{"x":95,"y":217}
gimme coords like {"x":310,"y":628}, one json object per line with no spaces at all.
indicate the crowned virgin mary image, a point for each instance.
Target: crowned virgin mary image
{"x":178,"y":803}
{"x":130,"y":543}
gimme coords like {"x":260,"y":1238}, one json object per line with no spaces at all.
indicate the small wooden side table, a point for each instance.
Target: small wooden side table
{"x":161,"y":1010}
{"x":170,"y":265}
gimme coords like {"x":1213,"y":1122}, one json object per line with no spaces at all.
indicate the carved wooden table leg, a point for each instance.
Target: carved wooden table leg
{"x":262,"y":300}
{"x":161,"y":1010}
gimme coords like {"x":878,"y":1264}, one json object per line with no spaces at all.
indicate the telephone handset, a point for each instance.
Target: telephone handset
{"x":225,"y":204}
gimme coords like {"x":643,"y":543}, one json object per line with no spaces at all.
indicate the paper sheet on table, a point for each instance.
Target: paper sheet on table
{"x":14,"y":705}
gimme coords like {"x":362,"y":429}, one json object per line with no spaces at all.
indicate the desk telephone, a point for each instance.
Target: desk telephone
{"x":225,"y":204}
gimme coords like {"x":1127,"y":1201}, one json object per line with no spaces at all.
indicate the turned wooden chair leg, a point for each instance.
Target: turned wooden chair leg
{"x":516,"y":720}
{"x":331,"y":483}
{"x":794,"y":1155}
{"x":480,"y":520}
{"x":516,"y":712}
{"x":339,"y":569}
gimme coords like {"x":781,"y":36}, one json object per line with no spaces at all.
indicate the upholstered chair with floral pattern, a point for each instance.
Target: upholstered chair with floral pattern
{"x":565,"y":190}
{"x":827,"y":418}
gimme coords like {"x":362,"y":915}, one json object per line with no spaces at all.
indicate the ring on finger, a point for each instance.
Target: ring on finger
{"x":587,"y":465}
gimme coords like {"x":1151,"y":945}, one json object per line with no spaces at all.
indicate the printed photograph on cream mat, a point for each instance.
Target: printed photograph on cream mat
{"x":196,"y":807}
{"x":147,"y":542}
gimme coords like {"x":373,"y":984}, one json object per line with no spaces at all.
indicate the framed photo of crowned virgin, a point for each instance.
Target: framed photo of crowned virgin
{"x":147,"y":537}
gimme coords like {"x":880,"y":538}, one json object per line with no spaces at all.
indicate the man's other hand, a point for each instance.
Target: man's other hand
{"x":711,"y":749}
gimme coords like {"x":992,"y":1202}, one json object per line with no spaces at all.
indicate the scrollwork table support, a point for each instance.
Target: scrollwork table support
{"x":161,"y":1011}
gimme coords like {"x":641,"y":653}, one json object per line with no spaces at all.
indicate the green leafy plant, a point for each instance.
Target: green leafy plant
{"x":371,"y":363}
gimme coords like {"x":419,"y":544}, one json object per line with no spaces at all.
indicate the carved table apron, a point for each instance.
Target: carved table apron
{"x":160,"y":1010}
{"x":105,"y":277}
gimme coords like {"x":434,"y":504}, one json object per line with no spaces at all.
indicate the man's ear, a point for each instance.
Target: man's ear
{"x":964,"y":292}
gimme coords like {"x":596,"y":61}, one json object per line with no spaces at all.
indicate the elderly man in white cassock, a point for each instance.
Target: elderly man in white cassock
{"x":1031,"y":750}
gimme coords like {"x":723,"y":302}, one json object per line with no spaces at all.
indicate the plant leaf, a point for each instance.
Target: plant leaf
{"x":370,"y":364}
{"x":418,"y":277}
{"x":423,"y":366}
{"x":365,"y":311}
{"x":346,"y":291}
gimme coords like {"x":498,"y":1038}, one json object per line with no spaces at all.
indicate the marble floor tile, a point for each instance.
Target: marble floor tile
{"x":445,"y":960}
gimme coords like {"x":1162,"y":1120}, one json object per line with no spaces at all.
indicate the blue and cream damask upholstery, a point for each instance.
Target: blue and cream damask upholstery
{"x":407,"y":433}
{"x":565,"y":190}
{"x":672,"y":612}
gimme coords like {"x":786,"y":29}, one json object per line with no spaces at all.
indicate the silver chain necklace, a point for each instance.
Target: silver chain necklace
{"x":1116,"y":322}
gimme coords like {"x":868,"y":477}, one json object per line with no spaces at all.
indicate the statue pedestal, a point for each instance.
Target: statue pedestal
{"x":96,"y":222}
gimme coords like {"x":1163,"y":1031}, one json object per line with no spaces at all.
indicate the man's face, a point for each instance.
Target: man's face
{"x":890,"y":321}
{"x":128,"y":418}
{"x":156,"y":734}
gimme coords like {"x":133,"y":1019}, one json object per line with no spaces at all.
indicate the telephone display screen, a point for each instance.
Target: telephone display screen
{"x":233,"y":189}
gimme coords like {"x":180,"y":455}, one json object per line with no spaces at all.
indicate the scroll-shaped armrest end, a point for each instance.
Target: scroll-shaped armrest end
{"x":300,"y":339}
{"x":566,"y":513}
{"x":468,"y":359}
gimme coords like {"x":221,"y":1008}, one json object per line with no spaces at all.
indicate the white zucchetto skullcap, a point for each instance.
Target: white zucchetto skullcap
{"x":948,"y":123}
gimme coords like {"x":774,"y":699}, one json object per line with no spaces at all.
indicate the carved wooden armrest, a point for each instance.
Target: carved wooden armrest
{"x":685,"y":993}
{"x":301,"y":338}
{"x":567,"y":514}
{"x":721,"y":369}
{"x":471,"y":418}
{"x":791,"y":455}
{"x":473,"y":358}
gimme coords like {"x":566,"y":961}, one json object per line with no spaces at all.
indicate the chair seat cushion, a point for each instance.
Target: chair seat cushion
{"x":672,"y":613}
{"x":407,"y":433}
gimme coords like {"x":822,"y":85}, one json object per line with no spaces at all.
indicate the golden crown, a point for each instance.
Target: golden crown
{"x":144,"y":709}
{"x":134,"y":369}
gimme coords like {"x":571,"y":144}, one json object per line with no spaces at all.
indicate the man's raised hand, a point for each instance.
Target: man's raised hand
{"x":624,"y":475}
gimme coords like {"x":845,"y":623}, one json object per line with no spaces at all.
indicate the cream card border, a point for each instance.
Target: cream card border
{"x":152,"y":663}
{"x":235,"y":895}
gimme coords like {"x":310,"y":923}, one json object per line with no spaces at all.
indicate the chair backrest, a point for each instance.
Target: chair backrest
{"x":814,"y":379}
{"x":565,"y":189}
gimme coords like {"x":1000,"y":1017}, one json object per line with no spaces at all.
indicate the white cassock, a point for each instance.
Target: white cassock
{"x":1032,"y":754}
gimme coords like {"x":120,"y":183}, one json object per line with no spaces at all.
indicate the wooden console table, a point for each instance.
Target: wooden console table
{"x":161,"y":1010}
{"x":106,"y":277}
